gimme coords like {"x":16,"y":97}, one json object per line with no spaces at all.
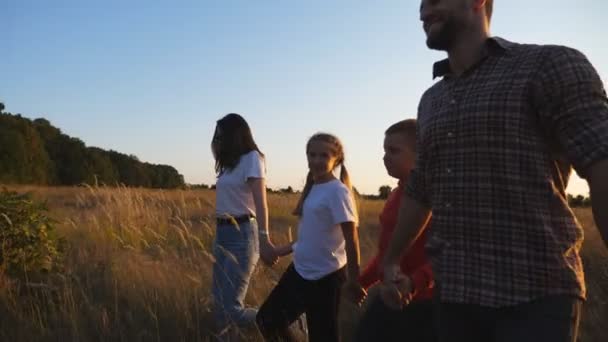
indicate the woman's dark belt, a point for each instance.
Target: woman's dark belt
{"x":233,"y":219}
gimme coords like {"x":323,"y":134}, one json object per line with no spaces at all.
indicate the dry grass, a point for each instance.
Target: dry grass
{"x":138,"y":268}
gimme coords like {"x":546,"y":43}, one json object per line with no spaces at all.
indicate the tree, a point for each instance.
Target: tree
{"x":384,"y":191}
{"x":287,"y":190}
{"x":12,"y":152}
{"x":165,"y":176}
{"x":69,"y":156}
{"x":587,"y":202}
{"x":38,"y":163}
{"x":24,"y":158}
{"x":36,"y":152}
{"x":99,"y":167}
{"x":199,"y":186}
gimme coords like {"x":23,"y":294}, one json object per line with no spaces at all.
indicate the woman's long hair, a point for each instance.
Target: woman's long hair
{"x":232,"y":139}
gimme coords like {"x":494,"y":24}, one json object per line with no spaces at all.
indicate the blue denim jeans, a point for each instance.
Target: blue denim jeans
{"x":236,"y":252}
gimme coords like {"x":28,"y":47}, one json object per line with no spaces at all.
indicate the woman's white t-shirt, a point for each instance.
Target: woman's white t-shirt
{"x":320,"y":248}
{"x":233,"y":197}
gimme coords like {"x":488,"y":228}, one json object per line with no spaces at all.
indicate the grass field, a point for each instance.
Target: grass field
{"x":138,"y":268}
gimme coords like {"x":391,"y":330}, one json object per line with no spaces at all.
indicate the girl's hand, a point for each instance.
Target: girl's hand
{"x":268,"y":252}
{"x":284,"y":250}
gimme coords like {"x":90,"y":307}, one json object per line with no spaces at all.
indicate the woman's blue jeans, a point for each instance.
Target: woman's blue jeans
{"x":236,"y":252}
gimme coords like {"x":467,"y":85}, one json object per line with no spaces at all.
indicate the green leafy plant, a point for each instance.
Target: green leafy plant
{"x":28,"y":245}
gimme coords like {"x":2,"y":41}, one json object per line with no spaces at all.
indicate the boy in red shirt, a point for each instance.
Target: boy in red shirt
{"x":413,"y":321}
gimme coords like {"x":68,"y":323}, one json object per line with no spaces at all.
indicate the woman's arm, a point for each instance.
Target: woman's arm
{"x":267,"y":249}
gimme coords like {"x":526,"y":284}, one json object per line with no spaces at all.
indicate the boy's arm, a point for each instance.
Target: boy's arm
{"x":413,"y":217}
{"x":371,"y":274}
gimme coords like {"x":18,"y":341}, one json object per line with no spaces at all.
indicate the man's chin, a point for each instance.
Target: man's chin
{"x":435,"y":43}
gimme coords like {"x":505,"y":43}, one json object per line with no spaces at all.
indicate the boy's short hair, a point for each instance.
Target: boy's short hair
{"x":407,"y":128}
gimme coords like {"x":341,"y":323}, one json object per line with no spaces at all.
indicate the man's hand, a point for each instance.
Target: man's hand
{"x":390,"y":295}
{"x":391,"y":273}
{"x":355,"y":292}
{"x":406,"y":289}
{"x":397,"y":288}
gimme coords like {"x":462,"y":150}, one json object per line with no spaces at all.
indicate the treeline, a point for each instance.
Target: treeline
{"x":36,"y":152}
{"x":288,"y":190}
{"x":579,"y":201}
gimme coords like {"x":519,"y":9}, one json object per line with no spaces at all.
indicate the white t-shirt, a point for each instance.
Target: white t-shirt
{"x":232,"y":194}
{"x":320,"y":250}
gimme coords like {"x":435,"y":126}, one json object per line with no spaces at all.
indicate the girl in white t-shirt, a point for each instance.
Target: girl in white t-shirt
{"x":242,"y":219}
{"x":327,"y":250}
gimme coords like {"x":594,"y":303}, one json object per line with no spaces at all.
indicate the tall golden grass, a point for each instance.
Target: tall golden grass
{"x":138,"y":268}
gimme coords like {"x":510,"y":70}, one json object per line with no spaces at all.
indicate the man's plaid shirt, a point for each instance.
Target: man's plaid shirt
{"x":495,"y":149}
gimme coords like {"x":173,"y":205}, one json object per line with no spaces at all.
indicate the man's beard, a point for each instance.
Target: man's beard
{"x":445,"y":37}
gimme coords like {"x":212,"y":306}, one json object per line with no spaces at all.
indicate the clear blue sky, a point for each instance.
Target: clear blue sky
{"x":150,"y":78}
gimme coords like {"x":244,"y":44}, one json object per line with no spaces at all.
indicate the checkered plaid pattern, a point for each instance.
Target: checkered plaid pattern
{"x":495,"y":149}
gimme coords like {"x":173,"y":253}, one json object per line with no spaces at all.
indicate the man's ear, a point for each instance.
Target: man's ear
{"x":479,"y":4}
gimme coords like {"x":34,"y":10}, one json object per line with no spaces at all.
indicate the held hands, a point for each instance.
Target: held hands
{"x":284,"y":250}
{"x":268,"y":252}
{"x":355,"y":292}
{"x":396,"y":289}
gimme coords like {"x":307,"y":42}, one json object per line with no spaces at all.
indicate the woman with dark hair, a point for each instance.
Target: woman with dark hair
{"x":242,"y":219}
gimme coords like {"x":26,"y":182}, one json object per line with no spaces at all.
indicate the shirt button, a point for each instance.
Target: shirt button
{"x":450,"y":135}
{"x":448,"y":205}
{"x":448,"y":170}
{"x":453,"y":101}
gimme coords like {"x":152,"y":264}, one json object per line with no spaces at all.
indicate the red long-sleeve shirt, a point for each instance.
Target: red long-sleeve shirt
{"x":414,"y":263}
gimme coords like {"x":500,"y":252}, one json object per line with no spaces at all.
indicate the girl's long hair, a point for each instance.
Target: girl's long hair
{"x":338,"y":152}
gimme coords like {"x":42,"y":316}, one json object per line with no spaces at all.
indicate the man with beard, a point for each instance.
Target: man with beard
{"x":497,"y":138}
